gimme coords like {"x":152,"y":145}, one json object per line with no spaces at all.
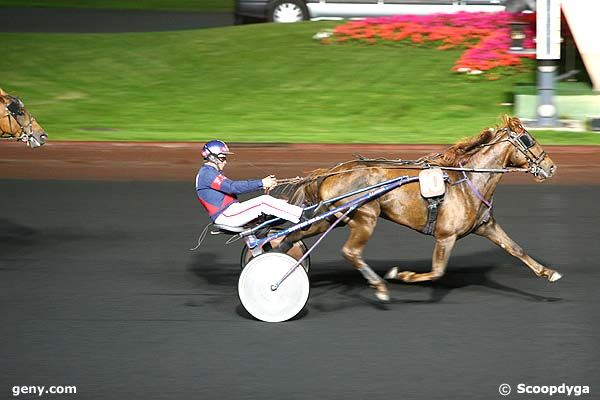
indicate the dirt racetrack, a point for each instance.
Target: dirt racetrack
{"x":179,"y":161}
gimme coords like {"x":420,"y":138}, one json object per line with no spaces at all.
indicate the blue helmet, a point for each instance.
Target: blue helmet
{"x":214,"y":148}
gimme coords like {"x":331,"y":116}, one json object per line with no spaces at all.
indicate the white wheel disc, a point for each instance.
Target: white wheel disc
{"x":254,"y":288}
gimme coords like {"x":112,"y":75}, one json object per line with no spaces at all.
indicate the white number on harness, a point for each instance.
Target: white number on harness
{"x":432,"y":182}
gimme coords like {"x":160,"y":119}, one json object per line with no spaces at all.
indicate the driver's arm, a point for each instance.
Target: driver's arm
{"x":240,"y":187}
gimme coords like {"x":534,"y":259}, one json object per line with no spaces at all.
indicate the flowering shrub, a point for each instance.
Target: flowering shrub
{"x":486,"y":37}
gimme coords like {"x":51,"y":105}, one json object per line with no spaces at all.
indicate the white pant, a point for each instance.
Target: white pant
{"x":239,"y":214}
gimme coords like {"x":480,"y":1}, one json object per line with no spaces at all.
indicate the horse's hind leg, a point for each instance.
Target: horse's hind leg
{"x":496,"y":234}
{"x":441,"y":254}
{"x":361,"y":227}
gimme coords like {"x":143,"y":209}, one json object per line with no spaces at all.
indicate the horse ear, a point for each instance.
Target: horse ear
{"x":516,"y":125}
{"x":2,"y":92}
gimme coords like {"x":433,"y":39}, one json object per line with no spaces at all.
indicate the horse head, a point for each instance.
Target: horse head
{"x":527,"y":152}
{"x":17,"y":122}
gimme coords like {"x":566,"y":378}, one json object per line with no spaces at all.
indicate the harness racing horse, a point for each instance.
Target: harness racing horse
{"x":17,"y":122}
{"x":465,"y":209}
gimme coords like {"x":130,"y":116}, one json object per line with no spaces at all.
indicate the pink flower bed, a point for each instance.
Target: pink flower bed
{"x":486,"y":36}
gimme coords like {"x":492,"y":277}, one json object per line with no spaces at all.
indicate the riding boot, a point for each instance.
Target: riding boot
{"x":309,"y":214}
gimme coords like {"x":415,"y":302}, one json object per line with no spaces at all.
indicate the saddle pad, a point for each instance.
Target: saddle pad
{"x":432,"y":182}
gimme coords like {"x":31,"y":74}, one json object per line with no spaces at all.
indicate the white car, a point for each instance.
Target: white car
{"x":299,"y":10}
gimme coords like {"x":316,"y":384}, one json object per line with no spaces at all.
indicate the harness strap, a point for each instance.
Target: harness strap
{"x":487,"y":214}
{"x":475,"y":191}
{"x":432,"y":213}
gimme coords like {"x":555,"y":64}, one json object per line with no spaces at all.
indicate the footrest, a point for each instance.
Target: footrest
{"x":227,"y":229}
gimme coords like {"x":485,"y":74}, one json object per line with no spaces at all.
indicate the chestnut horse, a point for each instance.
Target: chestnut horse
{"x":465,"y":209}
{"x":17,"y":122}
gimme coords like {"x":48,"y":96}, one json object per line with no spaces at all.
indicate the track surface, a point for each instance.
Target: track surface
{"x":98,"y":289}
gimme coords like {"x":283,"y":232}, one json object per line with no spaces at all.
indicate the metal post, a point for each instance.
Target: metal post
{"x":547,"y":53}
{"x":546,"y":110}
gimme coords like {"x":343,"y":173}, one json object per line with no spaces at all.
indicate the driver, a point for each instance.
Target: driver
{"x":218,"y":194}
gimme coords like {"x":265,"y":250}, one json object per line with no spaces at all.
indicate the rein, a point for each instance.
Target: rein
{"x":409,"y":165}
{"x":422,"y":163}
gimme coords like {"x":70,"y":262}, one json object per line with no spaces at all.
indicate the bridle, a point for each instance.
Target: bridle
{"x":523,"y":142}
{"x":15,"y":110}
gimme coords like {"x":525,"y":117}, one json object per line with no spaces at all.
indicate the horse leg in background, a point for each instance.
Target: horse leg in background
{"x":288,"y":242}
{"x":496,"y":234}
{"x":361,"y":227}
{"x":441,"y":254}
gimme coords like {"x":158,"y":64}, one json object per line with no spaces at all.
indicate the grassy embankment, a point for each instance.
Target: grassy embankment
{"x":255,"y":83}
{"x":191,"y":5}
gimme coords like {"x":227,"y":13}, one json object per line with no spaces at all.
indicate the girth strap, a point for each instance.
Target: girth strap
{"x":432,"y":213}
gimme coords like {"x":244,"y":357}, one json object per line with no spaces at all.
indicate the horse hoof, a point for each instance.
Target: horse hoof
{"x":382,"y":296}
{"x":554,"y":277}
{"x":392,"y":273}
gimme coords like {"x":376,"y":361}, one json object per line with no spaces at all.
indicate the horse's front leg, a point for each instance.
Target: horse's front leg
{"x":496,"y":234}
{"x":361,"y":227}
{"x":441,"y":254}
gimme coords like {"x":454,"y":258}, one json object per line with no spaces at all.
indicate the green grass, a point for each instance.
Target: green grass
{"x":194,"y":5}
{"x":254,"y":83}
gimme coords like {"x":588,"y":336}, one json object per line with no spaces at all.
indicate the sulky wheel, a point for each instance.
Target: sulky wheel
{"x":255,"y":288}
{"x":297,"y":251}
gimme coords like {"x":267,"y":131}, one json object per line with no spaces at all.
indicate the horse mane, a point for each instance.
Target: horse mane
{"x":461,"y":152}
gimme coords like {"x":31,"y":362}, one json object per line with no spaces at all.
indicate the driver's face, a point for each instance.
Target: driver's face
{"x":221,"y":162}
